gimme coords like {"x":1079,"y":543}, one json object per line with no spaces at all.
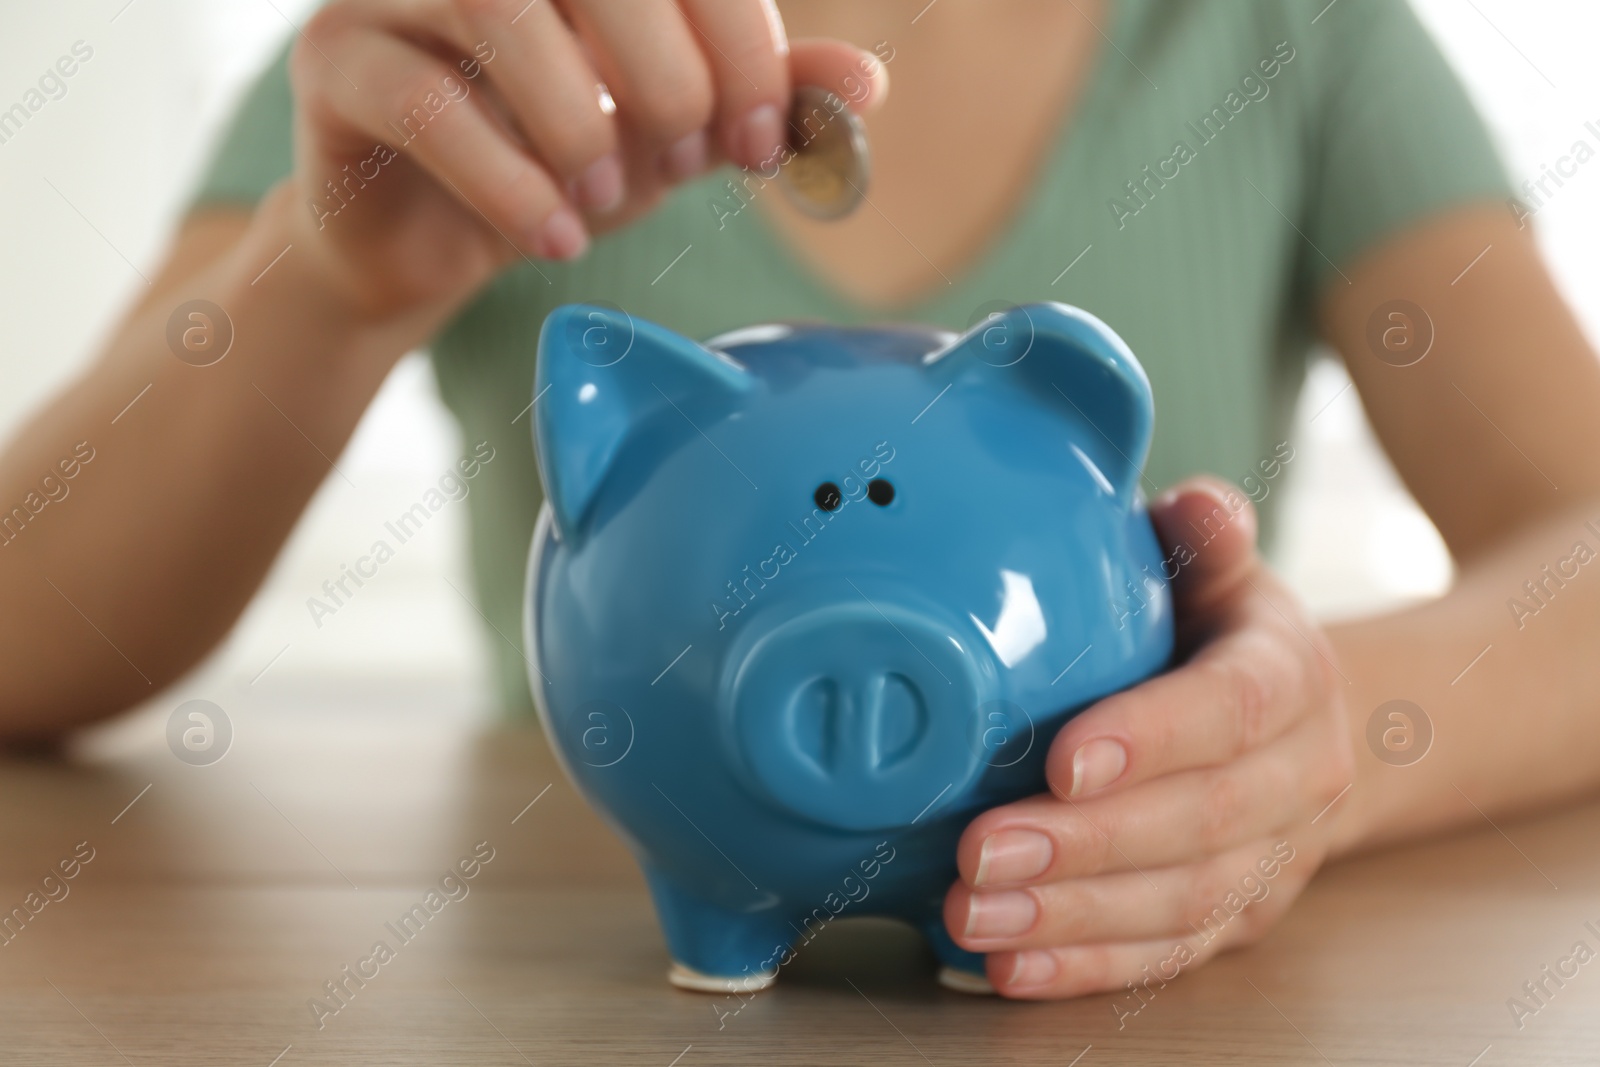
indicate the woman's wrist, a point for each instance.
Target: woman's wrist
{"x":284,"y":261}
{"x":266,"y":318}
{"x":275,"y":283}
{"x":1358,"y":816}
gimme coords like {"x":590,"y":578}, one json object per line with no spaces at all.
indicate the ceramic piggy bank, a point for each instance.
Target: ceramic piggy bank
{"x":804,"y":600}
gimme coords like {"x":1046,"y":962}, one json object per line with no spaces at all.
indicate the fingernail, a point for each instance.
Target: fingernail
{"x":1007,"y":913}
{"x":1030,"y":969}
{"x":1097,"y":764}
{"x":686,"y":157}
{"x":761,"y":135}
{"x":561,"y":236}
{"x":600,"y":186}
{"x":1011,"y":856}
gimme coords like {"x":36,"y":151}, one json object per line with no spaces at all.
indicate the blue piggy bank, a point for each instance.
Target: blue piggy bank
{"x":804,"y":600}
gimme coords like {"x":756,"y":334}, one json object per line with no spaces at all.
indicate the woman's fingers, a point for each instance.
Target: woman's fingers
{"x":1230,"y":901}
{"x":856,"y":75}
{"x":1177,"y":901}
{"x":1175,"y":819}
{"x":604,"y":101}
{"x":1263,"y":666}
{"x":416,"y":104}
{"x":1246,"y":688}
{"x":562,"y":121}
{"x":748,"y":53}
{"x":653,"y":64}
{"x":553,"y":94}
{"x":1209,"y":528}
{"x":1078,"y":970}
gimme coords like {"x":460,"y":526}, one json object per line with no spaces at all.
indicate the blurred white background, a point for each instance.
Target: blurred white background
{"x":125,"y":144}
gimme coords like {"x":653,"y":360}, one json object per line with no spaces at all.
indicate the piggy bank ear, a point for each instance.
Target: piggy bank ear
{"x":603,"y":376}
{"x":1071,"y":359}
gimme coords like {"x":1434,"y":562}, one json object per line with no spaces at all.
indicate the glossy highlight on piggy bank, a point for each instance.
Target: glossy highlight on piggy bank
{"x":804,"y":600}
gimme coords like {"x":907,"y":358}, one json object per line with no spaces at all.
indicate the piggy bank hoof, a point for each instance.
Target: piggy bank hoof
{"x":689,"y":978}
{"x":965,"y":981}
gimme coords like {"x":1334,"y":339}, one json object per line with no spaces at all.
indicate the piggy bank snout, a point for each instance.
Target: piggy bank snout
{"x":859,"y":716}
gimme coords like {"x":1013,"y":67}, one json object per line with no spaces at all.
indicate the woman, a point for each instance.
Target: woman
{"x":1222,"y":183}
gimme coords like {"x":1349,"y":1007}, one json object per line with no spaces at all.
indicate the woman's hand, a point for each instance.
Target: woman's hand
{"x":1187,"y":812}
{"x":439,"y":140}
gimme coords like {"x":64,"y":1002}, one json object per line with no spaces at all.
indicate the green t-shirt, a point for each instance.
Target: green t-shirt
{"x":1227,"y":162}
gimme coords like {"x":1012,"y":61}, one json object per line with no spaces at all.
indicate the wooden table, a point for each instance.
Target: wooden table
{"x":220,"y":899}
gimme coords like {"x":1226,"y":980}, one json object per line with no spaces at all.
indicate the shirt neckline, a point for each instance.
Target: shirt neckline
{"x":1004,"y":245}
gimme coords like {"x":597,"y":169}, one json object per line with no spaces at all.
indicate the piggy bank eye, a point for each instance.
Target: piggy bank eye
{"x":827,"y":497}
{"x":880,"y":492}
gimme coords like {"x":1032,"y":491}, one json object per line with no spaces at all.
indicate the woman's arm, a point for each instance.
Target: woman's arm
{"x":436,"y":142}
{"x":115,"y":588}
{"x":1496,"y":431}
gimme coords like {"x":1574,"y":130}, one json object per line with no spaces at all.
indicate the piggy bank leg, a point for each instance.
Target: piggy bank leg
{"x":714,"y":949}
{"x":959,"y":969}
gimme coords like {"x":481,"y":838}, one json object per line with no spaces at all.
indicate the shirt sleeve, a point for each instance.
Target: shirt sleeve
{"x":256,"y":150}
{"x":1394,"y":137}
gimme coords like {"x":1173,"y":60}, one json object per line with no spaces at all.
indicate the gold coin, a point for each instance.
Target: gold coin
{"x":827,"y":176}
